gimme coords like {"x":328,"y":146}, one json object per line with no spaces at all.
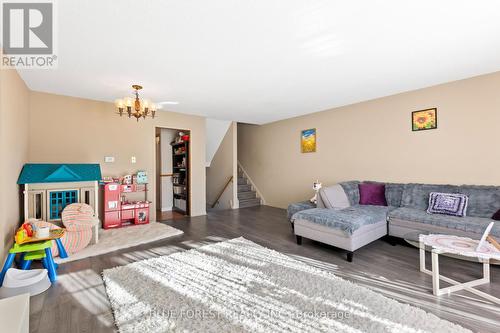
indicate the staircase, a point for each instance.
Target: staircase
{"x":246,"y":195}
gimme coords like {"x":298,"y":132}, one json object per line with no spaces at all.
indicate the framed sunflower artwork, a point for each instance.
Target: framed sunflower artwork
{"x":424,"y":119}
{"x":308,"y":140}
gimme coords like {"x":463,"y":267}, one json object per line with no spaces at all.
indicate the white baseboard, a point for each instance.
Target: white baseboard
{"x":166,"y":209}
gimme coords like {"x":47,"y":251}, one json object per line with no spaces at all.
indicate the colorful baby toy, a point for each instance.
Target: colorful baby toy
{"x":31,"y":247}
{"x":30,"y":232}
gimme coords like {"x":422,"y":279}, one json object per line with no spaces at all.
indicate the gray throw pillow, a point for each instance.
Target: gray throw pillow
{"x":334,"y":197}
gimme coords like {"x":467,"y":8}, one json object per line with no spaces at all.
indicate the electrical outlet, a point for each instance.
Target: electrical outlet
{"x":133,"y":159}
{"x":109,"y":159}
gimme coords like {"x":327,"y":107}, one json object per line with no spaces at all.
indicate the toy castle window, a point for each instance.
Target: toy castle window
{"x":87,"y":195}
{"x":58,"y":200}
{"x":36,"y":207}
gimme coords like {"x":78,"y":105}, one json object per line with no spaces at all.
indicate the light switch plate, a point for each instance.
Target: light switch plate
{"x":133,"y":159}
{"x":109,"y":159}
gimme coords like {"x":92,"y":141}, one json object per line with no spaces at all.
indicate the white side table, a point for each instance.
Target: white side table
{"x":461,"y":246}
{"x":15,"y":314}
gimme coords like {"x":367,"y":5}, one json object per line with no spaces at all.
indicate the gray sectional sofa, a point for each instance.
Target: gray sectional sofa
{"x":339,"y":220}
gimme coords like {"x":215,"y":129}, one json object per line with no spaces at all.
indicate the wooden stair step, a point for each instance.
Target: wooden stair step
{"x":249,"y":202}
{"x":244,"y":188}
{"x":247,"y":195}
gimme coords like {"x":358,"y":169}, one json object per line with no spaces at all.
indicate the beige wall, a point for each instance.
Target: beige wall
{"x":373,"y":141}
{"x":75,"y":130}
{"x":223,"y":167}
{"x":14,"y":134}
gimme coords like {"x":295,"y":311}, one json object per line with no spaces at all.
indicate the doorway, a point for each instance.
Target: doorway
{"x":173,"y":177}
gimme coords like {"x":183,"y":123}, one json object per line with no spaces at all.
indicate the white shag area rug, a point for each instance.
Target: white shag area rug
{"x":115,"y":239}
{"x":239,"y":286}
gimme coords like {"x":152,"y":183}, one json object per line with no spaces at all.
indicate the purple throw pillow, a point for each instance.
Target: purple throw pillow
{"x":453,"y":204}
{"x":496,"y":216}
{"x":372,"y":194}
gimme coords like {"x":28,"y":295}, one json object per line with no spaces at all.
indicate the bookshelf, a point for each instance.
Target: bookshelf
{"x":180,"y":177}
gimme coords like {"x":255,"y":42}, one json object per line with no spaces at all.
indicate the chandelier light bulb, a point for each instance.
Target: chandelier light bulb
{"x":128,"y":101}
{"x":119,"y":105}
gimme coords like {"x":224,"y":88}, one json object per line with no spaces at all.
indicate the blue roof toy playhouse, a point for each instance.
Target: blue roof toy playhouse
{"x":49,"y":188}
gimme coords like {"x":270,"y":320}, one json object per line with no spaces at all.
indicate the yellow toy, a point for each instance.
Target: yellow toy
{"x":28,"y":231}
{"x":21,"y":235}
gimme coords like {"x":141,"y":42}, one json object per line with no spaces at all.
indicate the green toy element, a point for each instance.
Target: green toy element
{"x":30,"y":252}
{"x":30,"y":247}
{"x":34,"y":255}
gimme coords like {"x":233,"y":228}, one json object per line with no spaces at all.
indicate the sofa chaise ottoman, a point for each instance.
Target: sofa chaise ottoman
{"x":298,"y":207}
{"x":348,"y":228}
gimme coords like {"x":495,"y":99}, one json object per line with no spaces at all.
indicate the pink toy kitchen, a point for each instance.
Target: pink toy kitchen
{"x":121,"y":205}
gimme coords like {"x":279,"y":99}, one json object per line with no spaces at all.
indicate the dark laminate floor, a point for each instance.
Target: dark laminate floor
{"x":78,"y":302}
{"x":169,"y":215}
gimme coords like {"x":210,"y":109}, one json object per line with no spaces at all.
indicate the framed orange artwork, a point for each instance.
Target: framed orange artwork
{"x":308,"y":140}
{"x":424,"y":119}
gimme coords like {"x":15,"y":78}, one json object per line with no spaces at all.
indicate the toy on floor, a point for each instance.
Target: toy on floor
{"x":79,"y":222}
{"x":119,"y":210}
{"x":18,"y":281}
{"x":29,"y":252}
{"x":48,"y":188}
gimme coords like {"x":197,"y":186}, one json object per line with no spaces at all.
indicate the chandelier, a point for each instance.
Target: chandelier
{"x":136,"y":107}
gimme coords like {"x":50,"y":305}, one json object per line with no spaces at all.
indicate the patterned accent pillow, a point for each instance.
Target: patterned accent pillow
{"x":448,"y":204}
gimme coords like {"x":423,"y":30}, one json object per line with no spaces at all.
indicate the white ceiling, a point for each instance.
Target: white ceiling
{"x":258,"y":61}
